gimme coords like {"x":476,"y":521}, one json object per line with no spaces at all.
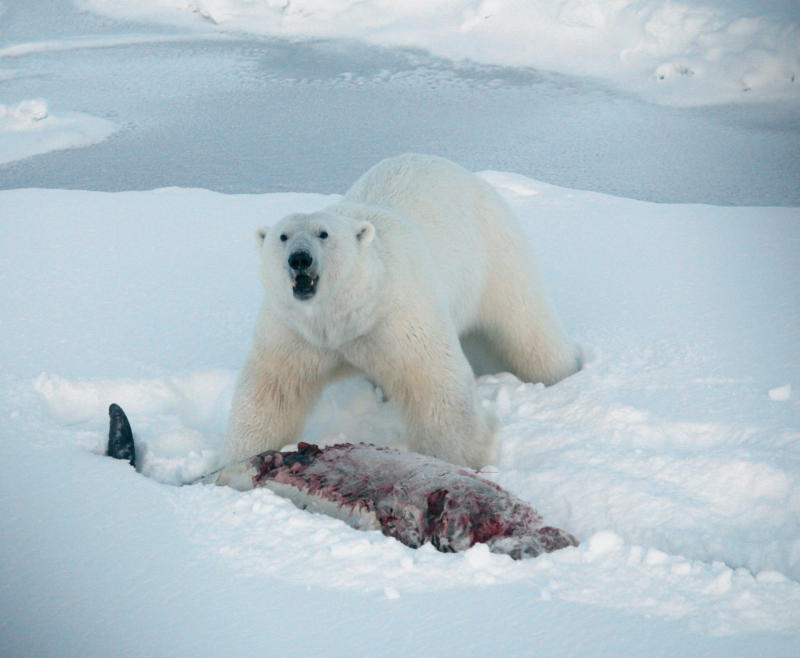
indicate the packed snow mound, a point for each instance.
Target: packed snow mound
{"x":676,"y":52}
{"x":29,"y":128}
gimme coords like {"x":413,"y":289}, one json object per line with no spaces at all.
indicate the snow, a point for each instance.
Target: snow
{"x":781,"y":393}
{"x":96,"y":42}
{"x":664,"y":456}
{"x":674,"y":52}
{"x":28,"y":128}
{"x":672,"y":456}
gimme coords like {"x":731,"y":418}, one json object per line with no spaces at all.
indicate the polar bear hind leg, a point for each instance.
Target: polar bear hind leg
{"x":523,"y":332}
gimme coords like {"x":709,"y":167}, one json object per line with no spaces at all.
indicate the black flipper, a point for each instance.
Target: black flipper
{"x":120,"y":437}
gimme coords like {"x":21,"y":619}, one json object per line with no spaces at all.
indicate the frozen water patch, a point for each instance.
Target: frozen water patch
{"x":29,"y":128}
{"x":182,"y":126}
{"x":676,"y":52}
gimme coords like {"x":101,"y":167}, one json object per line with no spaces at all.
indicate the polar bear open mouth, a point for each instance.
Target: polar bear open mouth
{"x":304,"y":286}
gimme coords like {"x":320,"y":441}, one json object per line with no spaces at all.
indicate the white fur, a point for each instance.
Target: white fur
{"x":419,"y":253}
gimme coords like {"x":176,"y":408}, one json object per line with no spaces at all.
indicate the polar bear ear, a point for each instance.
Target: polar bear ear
{"x":365,"y":233}
{"x":259,"y":237}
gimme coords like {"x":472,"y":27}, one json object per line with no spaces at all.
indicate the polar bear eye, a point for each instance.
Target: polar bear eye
{"x":283,"y":237}
{"x":323,"y":235}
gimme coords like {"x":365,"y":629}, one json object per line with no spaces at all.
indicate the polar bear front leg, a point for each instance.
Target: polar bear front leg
{"x":428,"y":374}
{"x":279,"y":384}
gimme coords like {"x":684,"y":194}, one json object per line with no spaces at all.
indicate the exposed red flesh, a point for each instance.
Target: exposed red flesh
{"x":408,"y":496}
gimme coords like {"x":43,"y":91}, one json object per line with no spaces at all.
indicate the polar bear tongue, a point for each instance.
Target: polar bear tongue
{"x":304,"y":286}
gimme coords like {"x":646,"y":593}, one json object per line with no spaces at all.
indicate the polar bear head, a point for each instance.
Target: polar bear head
{"x":307,"y":258}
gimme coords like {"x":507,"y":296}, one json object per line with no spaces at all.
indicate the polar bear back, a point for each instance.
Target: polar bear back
{"x":469,"y":230}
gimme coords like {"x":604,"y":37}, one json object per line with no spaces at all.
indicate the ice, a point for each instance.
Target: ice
{"x":675,"y":52}
{"x":224,"y":109}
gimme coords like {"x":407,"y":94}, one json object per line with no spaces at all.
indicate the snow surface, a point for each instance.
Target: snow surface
{"x":28,"y":128}
{"x":673,"y":456}
{"x":674,"y":52}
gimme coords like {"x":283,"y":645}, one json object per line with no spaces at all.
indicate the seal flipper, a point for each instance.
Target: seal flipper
{"x":120,"y":436}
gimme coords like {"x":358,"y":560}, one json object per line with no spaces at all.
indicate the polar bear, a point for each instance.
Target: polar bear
{"x":419,"y":254}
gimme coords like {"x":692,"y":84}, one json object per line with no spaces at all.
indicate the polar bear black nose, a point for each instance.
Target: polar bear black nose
{"x":300,"y":260}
